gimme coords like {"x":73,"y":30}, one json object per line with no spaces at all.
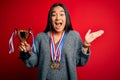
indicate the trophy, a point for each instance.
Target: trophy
{"x":23,"y":35}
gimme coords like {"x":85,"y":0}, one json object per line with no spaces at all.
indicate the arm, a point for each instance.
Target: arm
{"x":30,"y":58}
{"x":81,"y":55}
{"x":83,"y":50}
{"x":90,"y":37}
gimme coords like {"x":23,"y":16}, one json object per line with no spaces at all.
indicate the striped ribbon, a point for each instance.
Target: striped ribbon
{"x":56,"y":51}
{"x":11,"y":46}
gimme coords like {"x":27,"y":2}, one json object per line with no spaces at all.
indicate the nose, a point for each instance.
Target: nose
{"x":57,"y":17}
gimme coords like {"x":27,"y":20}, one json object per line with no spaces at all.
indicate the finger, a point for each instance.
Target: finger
{"x":24,"y":48}
{"x":26,"y":44}
{"x":88,"y":32}
{"x":20,"y":49}
{"x":99,"y":33}
{"x":22,"y":44}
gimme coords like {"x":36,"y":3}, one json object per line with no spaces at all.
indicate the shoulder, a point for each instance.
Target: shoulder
{"x":41,"y":35}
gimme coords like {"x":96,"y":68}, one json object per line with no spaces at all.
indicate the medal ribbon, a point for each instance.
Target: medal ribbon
{"x":56,"y":51}
{"x":33,"y":43}
{"x":11,"y":46}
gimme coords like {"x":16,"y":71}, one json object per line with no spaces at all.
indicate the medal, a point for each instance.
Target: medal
{"x":55,"y":52}
{"x":55,"y":65}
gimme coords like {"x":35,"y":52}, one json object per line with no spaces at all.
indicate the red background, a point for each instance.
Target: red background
{"x":85,"y":14}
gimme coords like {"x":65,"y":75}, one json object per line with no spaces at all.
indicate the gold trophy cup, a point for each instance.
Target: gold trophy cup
{"x":23,"y":35}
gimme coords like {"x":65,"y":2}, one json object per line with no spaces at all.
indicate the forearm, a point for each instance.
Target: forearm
{"x":83,"y":57}
{"x":30,"y":59}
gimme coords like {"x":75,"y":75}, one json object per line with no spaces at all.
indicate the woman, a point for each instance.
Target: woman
{"x":59,"y":49}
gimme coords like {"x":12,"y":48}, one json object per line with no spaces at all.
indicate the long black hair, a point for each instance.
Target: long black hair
{"x":68,"y":25}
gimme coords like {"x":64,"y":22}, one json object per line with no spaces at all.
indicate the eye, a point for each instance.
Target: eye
{"x":53,"y":14}
{"x":62,"y":14}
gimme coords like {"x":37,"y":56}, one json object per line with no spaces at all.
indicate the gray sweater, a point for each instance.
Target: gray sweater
{"x":72,"y":56}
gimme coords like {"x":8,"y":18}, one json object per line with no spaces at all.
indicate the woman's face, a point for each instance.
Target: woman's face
{"x":58,"y":19}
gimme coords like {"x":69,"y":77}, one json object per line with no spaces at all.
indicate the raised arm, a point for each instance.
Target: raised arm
{"x":90,"y":37}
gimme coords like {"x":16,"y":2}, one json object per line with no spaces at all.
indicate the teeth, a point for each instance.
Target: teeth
{"x":58,"y":23}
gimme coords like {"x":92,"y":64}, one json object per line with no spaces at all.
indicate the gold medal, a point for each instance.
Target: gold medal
{"x":55,"y":65}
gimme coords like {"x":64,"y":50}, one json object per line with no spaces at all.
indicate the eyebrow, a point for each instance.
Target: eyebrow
{"x":60,"y":11}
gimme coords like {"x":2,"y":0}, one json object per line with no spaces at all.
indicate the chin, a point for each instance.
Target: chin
{"x":59,"y":31}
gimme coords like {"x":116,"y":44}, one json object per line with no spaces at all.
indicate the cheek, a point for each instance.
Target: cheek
{"x":53,"y":21}
{"x":64,"y":20}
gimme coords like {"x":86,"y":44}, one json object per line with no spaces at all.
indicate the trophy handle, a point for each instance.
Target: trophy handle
{"x":23,"y":35}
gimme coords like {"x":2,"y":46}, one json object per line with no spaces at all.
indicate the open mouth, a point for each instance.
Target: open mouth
{"x":58,"y":24}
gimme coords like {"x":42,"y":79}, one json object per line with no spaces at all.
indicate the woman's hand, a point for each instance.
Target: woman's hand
{"x":90,"y":37}
{"x":24,"y":47}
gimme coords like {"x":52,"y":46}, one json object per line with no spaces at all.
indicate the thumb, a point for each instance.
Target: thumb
{"x":88,"y":32}
{"x":26,"y":44}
